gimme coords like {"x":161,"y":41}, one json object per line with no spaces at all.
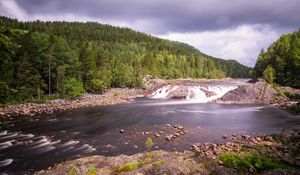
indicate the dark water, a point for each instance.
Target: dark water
{"x":37,"y":143}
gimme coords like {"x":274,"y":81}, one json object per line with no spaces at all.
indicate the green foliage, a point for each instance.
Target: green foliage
{"x":73,"y":171}
{"x":247,"y":160}
{"x":38,"y":58}
{"x":72,"y":88}
{"x":6,"y":93}
{"x":269,"y":74}
{"x":125,"y":168}
{"x":97,"y":86}
{"x":149,"y":143}
{"x":92,"y":171}
{"x":283,"y":57}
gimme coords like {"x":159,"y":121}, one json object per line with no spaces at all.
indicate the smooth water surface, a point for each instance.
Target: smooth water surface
{"x":39,"y":142}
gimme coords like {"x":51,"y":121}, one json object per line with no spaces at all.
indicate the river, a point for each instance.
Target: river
{"x":36,"y":143}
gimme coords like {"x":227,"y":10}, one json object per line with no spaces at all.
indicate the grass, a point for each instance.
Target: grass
{"x":73,"y":171}
{"x":248,"y":159}
{"x":92,"y":171}
{"x":158,"y":163}
{"x":125,"y":168}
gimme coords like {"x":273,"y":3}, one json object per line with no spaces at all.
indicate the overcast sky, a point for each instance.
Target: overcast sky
{"x":229,"y":29}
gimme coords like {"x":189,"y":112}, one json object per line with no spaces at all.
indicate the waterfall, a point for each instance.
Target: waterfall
{"x":163,"y":92}
{"x":199,"y":94}
{"x":195,"y":93}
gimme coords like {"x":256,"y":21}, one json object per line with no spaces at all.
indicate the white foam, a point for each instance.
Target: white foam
{"x":6,"y":144}
{"x":69,"y":143}
{"x":6,"y":162}
{"x":196,"y":94}
{"x":3,"y":133}
{"x":163,"y":92}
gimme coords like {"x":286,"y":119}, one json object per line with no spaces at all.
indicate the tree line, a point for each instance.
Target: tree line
{"x":280,"y":63}
{"x":65,"y":59}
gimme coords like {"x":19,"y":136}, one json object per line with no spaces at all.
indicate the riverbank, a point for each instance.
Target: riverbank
{"x":241,"y":154}
{"x":112,"y":96}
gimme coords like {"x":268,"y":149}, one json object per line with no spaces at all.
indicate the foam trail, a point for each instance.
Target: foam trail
{"x":5,"y":162}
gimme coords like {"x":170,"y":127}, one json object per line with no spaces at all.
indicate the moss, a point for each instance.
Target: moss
{"x":248,"y":159}
{"x":117,"y":94}
{"x":127,"y":167}
{"x":73,"y":171}
{"x":158,"y":163}
{"x":92,"y":171}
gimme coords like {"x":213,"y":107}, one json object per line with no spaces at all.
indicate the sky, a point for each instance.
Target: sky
{"x":228,"y":29}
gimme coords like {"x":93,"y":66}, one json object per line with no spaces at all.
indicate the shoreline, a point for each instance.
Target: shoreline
{"x":112,"y":96}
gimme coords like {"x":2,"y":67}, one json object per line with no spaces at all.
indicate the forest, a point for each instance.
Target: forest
{"x":66,"y":59}
{"x":280,"y":63}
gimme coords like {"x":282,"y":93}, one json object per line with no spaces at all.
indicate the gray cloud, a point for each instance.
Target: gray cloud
{"x":177,"y":15}
{"x":235,"y":29}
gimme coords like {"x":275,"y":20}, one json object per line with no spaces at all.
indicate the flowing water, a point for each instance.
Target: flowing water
{"x":36,"y":143}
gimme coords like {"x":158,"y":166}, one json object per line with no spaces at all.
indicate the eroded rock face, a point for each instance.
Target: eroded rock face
{"x":259,"y":92}
{"x":179,"y":93}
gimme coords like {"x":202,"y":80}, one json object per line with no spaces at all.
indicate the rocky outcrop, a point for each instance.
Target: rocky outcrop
{"x":156,"y":162}
{"x":259,"y":92}
{"x":179,"y":93}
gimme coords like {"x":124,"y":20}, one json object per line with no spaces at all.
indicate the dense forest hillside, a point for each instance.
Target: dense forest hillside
{"x":67,"y":59}
{"x":281,"y":62}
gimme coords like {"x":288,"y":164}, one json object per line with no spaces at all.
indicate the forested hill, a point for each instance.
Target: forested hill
{"x":40,"y":58}
{"x":281,"y":62}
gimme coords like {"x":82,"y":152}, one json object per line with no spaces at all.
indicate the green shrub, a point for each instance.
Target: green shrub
{"x":72,"y":88}
{"x":269,"y":74}
{"x":97,"y":86}
{"x":127,"y":167}
{"x":247,"y":160}
{"x":92,"y":171}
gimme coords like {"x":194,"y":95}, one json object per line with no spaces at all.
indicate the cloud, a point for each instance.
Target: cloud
{"x":242,"y":43}
{"x":232,"y":30}
{"x":175,"y":15}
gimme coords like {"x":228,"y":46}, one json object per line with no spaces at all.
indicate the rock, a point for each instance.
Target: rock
{"x":224,"y":136}
{"x":258,"y":139}
{"x":147,"y":133}
{"x":168,"y":138}
{"x":251,"y":170}
{"x":180,"y":127}
{"x":245,"y":136}
{"x":156,"y":135}
{"x":161,"y":132}
{"x":135,"y":146}
{"x":168,"y":125}
{"x":177,"y":134}
{"x":297,"y":163}
{"x":122,"y":131}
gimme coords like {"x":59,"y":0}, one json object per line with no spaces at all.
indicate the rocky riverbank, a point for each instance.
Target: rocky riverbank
{"x":113,"y":96}
{"x":269,"y":154}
